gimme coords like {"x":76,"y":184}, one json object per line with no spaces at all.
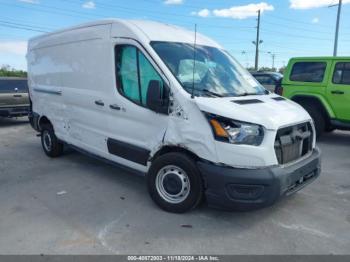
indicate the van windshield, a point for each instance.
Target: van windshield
{"x":213,"y":71}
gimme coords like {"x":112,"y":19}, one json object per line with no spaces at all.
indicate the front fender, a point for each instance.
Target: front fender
{"x":318,"y":97}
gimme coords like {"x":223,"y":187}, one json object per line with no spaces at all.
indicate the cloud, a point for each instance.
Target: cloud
{"x":202,"y":13}
{"x":89,"y":5}
{"x":243,"y":11}
{"x":315,"y":20}
{"x":30,"y":1}
{"x":309,"y":4}
{"x":13,"y":47}
{"x":173,"y":2}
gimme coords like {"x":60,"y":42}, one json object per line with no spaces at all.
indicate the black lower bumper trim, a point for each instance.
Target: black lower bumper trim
{"x":247,"y":189}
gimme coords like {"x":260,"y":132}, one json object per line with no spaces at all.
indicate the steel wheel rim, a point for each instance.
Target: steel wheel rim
{"x":47,"y":142}
{"x":173,"y":175}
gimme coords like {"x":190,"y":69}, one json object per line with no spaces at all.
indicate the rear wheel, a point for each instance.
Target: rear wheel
{"x":50,"y":143}
{"x":174,"y":182}
{"x":318,"y":118}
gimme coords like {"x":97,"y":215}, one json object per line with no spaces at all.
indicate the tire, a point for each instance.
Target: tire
{"x":329,"y":129}
{"x":174,"y":183}
{"x":50,"y":143}
{"x":317,"y":117}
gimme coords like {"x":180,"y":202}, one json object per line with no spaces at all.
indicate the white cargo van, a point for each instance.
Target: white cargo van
{"x":184,"y":113}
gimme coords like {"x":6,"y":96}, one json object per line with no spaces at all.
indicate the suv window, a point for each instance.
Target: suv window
{"x":9,"y":85}
{"x":265,"y":79}
{"x":134,"y":72}
{"x":342,"y":73}
{"x":308,"y":72}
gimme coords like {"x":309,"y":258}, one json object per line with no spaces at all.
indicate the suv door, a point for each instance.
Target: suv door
{"x":338,"y":90}
{"x":21,"y":92}
{"x":135,"y":130}
{"x":13,"y":93}
{"x":6,"y":93}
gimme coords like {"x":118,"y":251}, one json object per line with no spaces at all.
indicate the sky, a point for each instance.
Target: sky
{"x":289,"y":28}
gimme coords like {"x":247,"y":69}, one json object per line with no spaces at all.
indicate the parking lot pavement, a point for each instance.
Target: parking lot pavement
{"x":78,"y":205}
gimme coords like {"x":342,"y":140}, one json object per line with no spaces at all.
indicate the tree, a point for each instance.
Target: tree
{"x":282,"y":69}
{"x":6,"y":70}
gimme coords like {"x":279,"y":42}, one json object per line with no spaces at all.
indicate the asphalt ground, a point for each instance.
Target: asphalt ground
{"x":78,"y":205}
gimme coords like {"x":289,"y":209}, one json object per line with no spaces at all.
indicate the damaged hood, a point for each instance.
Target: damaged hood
{"x":270,"y":111}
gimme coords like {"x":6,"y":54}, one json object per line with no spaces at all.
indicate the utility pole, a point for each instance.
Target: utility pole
{"x":335,"y":51}
{"x":273,"y":56}
{"x":257,"y":43}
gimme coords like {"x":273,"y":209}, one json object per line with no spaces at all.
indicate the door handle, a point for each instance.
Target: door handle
{"x":99,"y":103}
{"x":115,"y":107}
{"x":337,"y":92}
{"x":17,"y":95}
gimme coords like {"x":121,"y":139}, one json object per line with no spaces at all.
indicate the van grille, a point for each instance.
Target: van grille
{"x":293,"y":142}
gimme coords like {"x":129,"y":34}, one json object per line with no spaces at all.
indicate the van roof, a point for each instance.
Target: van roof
{"x":144,"y":29}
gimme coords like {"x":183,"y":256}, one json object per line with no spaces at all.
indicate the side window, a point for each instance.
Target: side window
{"x":127,"y":73}
{"x":147,"y":73}
{"x":134,"y":72}
{"x":21,"y":85}
{"x":7,"y":86}
{"x":265,"y":80}
{"x":341,"y":73}
{"x":308,"y":72}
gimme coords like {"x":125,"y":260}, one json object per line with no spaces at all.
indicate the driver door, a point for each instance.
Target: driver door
{"x":135,"y":130}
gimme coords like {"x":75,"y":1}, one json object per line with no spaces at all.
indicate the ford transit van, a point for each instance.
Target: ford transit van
{"x":173,"y":106}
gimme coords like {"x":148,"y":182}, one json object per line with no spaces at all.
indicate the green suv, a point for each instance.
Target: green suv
{"x":322,"y":86}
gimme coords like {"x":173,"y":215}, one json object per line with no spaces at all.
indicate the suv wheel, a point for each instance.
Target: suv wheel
{"x":318,"y":118}
{"x":174,"y":183}
{"x":50,"y":143}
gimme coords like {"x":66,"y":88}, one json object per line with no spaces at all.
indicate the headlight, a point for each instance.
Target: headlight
{"x":235,"y":132}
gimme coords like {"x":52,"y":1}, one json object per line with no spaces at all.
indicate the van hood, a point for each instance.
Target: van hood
{"x":270,"y":111}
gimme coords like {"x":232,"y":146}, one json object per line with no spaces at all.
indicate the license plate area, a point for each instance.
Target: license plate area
{"x":301,"y":182}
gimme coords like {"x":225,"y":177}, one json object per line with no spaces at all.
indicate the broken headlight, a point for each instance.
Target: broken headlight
{"x":235,"y":132}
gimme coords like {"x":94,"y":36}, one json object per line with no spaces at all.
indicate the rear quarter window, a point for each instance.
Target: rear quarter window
{"x":308,"y":72}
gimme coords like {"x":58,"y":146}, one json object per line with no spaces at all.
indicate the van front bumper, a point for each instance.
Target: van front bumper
{"x":247,"y":189}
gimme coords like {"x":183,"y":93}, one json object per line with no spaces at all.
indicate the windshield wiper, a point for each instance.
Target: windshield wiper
{"x":247,"y":94}
{"x":211,"y":93}
{"x":206,"y":91}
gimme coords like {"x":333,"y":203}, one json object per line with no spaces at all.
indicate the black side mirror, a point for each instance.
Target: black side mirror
{"x":156,"y":99}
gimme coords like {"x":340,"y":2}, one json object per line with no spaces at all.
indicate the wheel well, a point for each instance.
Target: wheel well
{"x":304,"y":100}
{"x":44,"y":121}
{"x":171,"y":149}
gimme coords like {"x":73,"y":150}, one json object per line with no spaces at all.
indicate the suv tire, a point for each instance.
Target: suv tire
{"x":317,"y":117}
{"x":50,"y":143}
{"x":175,"y":183}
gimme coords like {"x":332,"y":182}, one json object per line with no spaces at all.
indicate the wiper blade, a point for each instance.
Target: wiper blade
{"x":211,"y":93}
{"x":247,"y":94}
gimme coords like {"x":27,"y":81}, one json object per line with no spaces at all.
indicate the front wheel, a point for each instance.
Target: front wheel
{"x":317,"y":117}
{"x":174,"y":183}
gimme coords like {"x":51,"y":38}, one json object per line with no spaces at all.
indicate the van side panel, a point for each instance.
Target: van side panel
{"x":69,"y":72}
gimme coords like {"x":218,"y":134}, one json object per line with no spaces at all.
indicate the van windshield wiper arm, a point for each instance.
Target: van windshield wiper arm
{"x":211,"y":93}
{"x":247,"y":94}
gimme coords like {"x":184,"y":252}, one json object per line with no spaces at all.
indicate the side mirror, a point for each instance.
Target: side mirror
{"x":157,"y":100}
